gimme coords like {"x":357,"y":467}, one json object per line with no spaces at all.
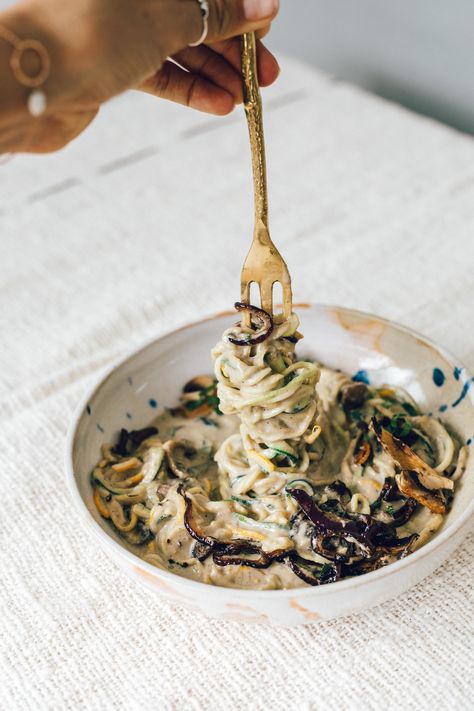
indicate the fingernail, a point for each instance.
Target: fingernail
{"x":255,"y":10}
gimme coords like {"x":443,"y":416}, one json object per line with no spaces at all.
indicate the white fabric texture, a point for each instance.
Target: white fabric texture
{"x":141,"y":225}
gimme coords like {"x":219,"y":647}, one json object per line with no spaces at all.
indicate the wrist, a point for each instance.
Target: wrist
{"x":24,"y":24}
{"x":97,"y":48}
{"x":13,"y":96}
{"x":60,"y":26}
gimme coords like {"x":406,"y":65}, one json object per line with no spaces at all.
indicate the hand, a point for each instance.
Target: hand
{"x":208,"y":78}
{"x":121,"y":44}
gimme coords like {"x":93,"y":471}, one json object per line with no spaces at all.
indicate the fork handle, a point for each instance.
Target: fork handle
{"x":254,"y":113}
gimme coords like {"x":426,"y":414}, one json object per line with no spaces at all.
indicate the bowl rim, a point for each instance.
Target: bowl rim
{"x":195,"y":585}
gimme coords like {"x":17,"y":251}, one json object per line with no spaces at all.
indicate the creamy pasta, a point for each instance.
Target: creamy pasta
{"x":278,"y":472}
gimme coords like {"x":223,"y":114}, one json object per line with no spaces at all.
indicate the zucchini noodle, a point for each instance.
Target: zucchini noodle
{"x":274,"y":396}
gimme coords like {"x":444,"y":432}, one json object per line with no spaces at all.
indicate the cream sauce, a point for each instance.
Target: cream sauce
{"x":283,"y":427}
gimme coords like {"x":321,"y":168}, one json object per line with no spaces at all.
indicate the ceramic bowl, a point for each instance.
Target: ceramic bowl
{"x":134,"y":391}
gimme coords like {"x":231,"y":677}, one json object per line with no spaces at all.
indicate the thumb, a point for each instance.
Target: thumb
{"x":228,"y":18}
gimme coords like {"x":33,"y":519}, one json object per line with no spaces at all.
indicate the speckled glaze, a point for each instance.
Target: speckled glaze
{"x":368,"y":347}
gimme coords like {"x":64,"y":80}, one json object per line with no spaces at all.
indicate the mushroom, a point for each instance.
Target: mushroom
{"x":335,"y":497}
{"x":389,"y":490}
{"x":353,"y":395}
{"x":199,"y":382}
{"x":191,"y":525}
{"x":261,"y":318}
{"x":325,"y":522}
{"x":182,"y":456}
{"x":331,"y":546}
{"x":199,"y":397}
{"x":338,"y":490}
{"x":120,"y":447}
{"x":410,"y":487}
{"x":401,"y":546}
{"x":363,"y":452}
{"x":408,"y":460}
{"x":235,"y":552}
{"x":373,"y":532}
{"x":313,"y":573}
{"x":404,"y":513}
{"x":202,"y":410}
{"x":169,"y":448}
{"x":201,"y":551}
{"x":229,"y":555}
{"x":135,"y":438}
{"x":365,"y":532}
{"x":363,"y":566}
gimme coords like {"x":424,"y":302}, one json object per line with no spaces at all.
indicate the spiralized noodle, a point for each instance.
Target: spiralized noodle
{"x":278,"y":472}
{"x":273,"y":395}
{"x":275,"y":398}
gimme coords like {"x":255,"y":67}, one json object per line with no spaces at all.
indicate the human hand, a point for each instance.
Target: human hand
{"x":100,"y":48}
{"x":208,"y":77}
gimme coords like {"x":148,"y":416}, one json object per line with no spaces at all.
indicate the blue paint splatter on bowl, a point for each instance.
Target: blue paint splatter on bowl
{"x":438,"y":377}
{"x":128,"y":415}
{"x":100,"y":428}
{"x":457,"y":372}
{"x":88,"y":409}
{"x":361,"y":377}
{"x":464,"y":391}
{"x":152,"y":403}
{"x":443,"y":408}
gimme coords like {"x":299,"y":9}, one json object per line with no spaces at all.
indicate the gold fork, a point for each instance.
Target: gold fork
{"x":264,"y":265}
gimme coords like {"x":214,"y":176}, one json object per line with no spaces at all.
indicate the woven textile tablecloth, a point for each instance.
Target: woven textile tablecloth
{"x":142,"y":225}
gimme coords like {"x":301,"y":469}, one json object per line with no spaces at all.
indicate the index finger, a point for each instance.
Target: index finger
{"x":268,"y":68}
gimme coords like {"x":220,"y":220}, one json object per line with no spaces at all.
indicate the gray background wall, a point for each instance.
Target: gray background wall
{"x":417,"y":52}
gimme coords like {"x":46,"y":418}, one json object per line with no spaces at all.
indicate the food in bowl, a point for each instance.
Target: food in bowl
{"x":278,"y":473}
